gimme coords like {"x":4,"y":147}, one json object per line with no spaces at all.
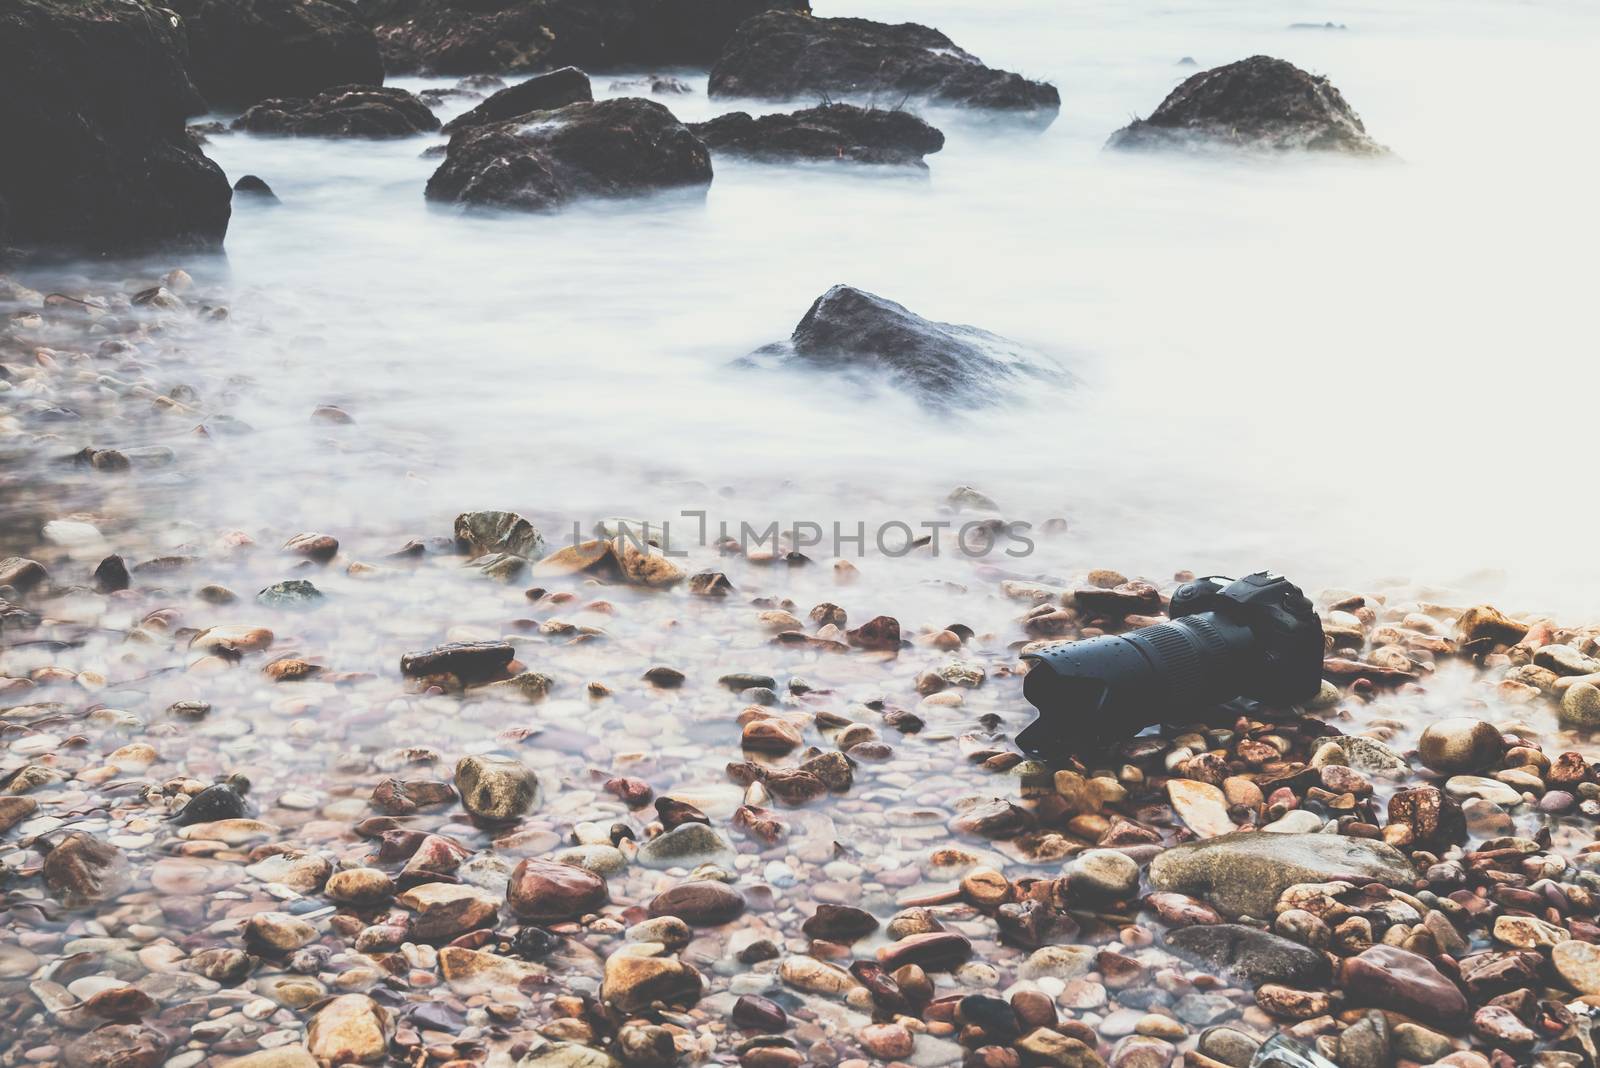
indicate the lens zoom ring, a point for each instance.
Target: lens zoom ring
{"x":1177,"y":647}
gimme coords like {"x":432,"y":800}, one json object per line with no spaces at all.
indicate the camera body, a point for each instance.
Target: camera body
{"x":1256,"y":637}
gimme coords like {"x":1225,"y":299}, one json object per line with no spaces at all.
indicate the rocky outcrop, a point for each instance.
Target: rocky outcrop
{"x":780,"y":56}
{"x":93,"y":98}
{"x":348,"y":111}
{"x":546,"y":92}
{"x":830,"y":132}
{"x":942,"y":365}
{"x":470,"y":36}
{"x":1257,"y":103}
{"x":610,"y":148}
{"x":245,"y":51}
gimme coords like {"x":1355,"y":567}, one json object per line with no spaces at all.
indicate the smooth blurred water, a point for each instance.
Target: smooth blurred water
{"x":1342,"y":369}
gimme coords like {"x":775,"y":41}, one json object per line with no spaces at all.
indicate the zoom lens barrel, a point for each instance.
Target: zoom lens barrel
{"x":1256,"y":637}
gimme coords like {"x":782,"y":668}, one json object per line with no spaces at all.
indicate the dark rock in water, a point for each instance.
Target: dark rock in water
{"x":469,"y":661}
{"x":93,"y":98}
{"x":218,"y":802}
{"x":546,"y":92}
{"x":1256,"y":103}
{"x":292,"y":593}
{"x":348,"y":111}
{"x":252,"y":188}
{"x":471,"y":36}
{"x":112,"y":575}
{"x":779,"y":56}
{"x":610,"y":148}
{"x":829,"y":132}
{"x":655,"y":84}
{"x":940,"y":364}
{"x":245,"y":51}
{"x":1250,"y":955}
{"x":692,"y":33}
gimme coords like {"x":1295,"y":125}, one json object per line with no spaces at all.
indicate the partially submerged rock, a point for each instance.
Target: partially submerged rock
{"x":850,"y":331}
{"x":544,"y":92}
{"x":93,"y":97}
{"x":841,"y":132}
{"x":1256,"y":103}
{"x":347,"y":111}
{"x":608,"y":148}
{"x":1244,"y":872}
{"x":245,"y":51}
{"x":780,"y":56}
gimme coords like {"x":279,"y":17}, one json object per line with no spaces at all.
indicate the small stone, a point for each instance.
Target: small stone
{"x":496,"y":788}
{"x":220,"y":801}
{"x":771,"y":735}
{"x":686,"y":846}
{"x":359,"y":886}
{"x":699,"y":903}
{"x":886,"y":1042}
{"x":814,"y":976}
{"x":1578,"y":965}
{"x":318,"y":547}
{"x":351,"y":1028}
{"x":1580,"y":706}
{"x":878,"y":633}
{"x":1462,"y":787}
{"x":83,"y":870}
{"x":488,"y":533}
{"x":752,"y":1013}
{"x":277,"y":933}
{"x":443,"y":911}
{"x":1103,"y":874}
{"x":1460,"y":744}
{"x":839,"y":923}
{"x":633,"y":983}
{"x":295,"y":593}
{"x":1058,"y":962}
{"x":468,"y":661}
{"x":543,"y":891}
{"x":1053,"y":1047}
{"x":1201,"y":806}
{"x":936,"y":951}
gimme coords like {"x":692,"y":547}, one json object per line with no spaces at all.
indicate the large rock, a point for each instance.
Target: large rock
{"x":1249,"y":954}
{"x":942,"y":365}
{"x":609,"y":148}
{"x":93,"y":98}
{"x":525,"y":36}
{"x":569,"y":85}
{"x":780,"y":56}
{"x":244,"y":51}
{"x":1256,"y":103}
{"x":829,"y":132}
{"x":347,"y":111}
{"x":1244,"y":872}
